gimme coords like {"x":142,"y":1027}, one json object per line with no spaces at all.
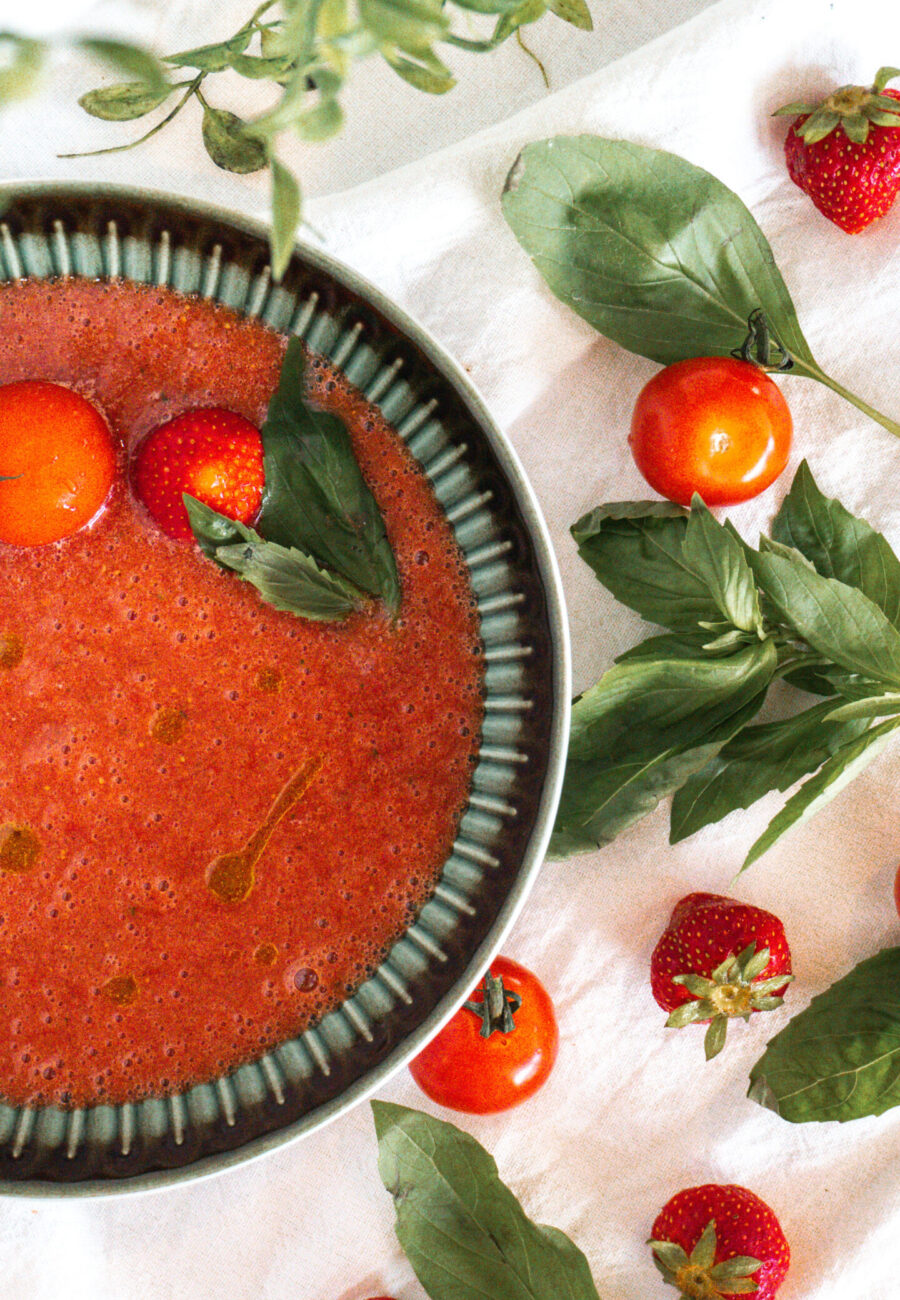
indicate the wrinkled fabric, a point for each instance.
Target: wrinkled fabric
{"x":632,"y":1112}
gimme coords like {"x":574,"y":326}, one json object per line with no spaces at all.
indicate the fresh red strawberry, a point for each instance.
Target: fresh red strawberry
{"x":719,"y":958}
{"x":213,"y":455}
{"x":845,"y":152}
{"x":720,"y":1241}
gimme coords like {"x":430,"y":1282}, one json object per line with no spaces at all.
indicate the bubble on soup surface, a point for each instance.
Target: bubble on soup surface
{"x":20,"y":848}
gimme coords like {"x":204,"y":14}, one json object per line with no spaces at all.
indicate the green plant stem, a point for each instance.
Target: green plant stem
{"x":802,"y":368}
{"x":192,"y":89}
{"x":520,"y":41}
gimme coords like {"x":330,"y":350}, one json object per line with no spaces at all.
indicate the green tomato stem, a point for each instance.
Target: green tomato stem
{"x":804,"y":368}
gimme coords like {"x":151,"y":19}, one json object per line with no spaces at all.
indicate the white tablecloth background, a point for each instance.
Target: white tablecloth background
{"x":631,"y":1113}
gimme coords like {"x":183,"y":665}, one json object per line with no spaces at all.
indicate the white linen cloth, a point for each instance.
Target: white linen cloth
{"x":631,"y":1113}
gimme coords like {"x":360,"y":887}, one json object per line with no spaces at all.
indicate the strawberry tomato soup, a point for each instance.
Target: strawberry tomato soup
{"x":161,"y":723}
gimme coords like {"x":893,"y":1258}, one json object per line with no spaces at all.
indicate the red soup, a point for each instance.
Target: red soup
{"x":156,"y":716}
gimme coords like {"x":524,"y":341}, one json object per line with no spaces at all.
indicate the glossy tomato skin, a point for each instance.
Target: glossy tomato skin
{"x":711,"y":425}
{"x":481,"y":1076}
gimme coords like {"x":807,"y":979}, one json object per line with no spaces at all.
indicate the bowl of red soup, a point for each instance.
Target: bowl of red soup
{"x":283,"y":690}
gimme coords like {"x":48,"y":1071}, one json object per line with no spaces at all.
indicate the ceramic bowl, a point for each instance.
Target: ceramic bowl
{"x":98,"y":232}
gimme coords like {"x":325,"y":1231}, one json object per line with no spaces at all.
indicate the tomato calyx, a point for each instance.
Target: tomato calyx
{"x":497,"y":1008}
{"x":762,"y":347}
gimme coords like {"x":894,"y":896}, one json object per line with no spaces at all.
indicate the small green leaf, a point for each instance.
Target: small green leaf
{"x":839,"y":770}
{"x":258,"y":69}
{"x":428,"y":73}
{"x":696,"y":984}
{"x":837,"y":620}
{"x":287,"y":579}
{"x":704,"y":1253}
{"x":575,"y":12}
{"x":411,"y":25}
{"x":636,"y":549}
{"x":821,"y":123}
{"x":839,"y":1059}
{"x":24,"y":57}
{"x":689,"y":1013}
{"x":315,"y":496}
{"x":856,"y":128}
{"x":737,"y":1266}
{"x":878,"y":706}
{"x":719,"y":562}
{"x":839,"y":544}
{"x":212,"y":58}
{"x":883,"y":76}
{"x":671,"y":1255}
{"x":464,"y":1233}
{"x":529,"y":11}
{"x":285,"y":216}
{"x":795,"y":109}
{"x":760,"y":759}
{"x":320,"y":122}
{"x":124,"y":102}
{"x":714,"y":1039}
{"x":228,"y":144}
{"x":138,"y":64}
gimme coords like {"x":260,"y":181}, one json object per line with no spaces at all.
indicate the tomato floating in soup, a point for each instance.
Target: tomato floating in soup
{"x":215,"y":818}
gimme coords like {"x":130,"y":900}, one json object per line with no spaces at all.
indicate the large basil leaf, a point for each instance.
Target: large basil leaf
{"x":631,"y":733}
{"x":837,"y":772}
{"x":315,"y":496}
{"x":654,"y":252}
{"x":718,"y":558}
{"x":838,"y":544}
{"x":636,"y":549}
{"x":286,"y":578}
{"x":840,"y":1058}
{"x":761,"y":759}
{"x":600,"y":802}
{"x":836,"y":620}
{"x":465,"y":1234}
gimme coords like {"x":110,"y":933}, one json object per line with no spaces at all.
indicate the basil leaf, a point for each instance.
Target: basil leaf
{"x":685,"y":645}
{"x":465,"y":1234}
{"x":575,"y":12}
{"x":286,"y":578}
{"x":320,"y":122}
{"x":768,"y":757}
{"x":529,"y":11}
{"x":125,"y":101}
{"x":836,"y":620}
{"x":875,"y":706}
{"x":258,"y":69}
{"x":285,"y":216}
{"x":138,"y":64}
{"x":843,"y":767}
{"x":636,"y":549}
{"x":597,"y":805}
{"x":228,"y":144}
{"x":652,"y":251}
{"x":719,"y":561}
{"x":630,"y":731}
{"x":840,"y":1058}
{"x":838,"y":544}
{"x":315,"y":496}
{"x":212,"y":58}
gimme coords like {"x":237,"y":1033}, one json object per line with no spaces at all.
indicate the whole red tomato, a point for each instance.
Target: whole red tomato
{"x":492,"y":1056}
{"x":711,"y":425}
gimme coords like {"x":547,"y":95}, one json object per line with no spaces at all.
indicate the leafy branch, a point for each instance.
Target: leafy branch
{"x":304,"y":49}
{"x":818,"y":605}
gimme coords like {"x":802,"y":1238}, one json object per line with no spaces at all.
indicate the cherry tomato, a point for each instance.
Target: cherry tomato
{"x":711,"y":425}
{"x":465,"y":1070}
{"x":57,"y":462}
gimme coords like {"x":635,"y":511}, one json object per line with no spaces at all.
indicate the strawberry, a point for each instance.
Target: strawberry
{"x":720,"y":1241}
{"x":213,"y":455}
{"x":845,"y":152}
{"x":719,"y":958}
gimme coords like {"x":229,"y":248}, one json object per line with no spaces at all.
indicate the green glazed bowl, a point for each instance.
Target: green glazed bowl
{"x":49,"y":231}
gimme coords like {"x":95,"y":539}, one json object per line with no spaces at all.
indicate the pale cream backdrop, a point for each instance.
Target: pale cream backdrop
{"x":409,"y":196}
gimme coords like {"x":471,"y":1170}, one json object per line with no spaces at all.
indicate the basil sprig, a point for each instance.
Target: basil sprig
{"x":321,"y":547}
{"x":818,"y":602}
{"x":656,"y":254}
{"x":465,"y":1234}
{"x":840,"y":1058}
